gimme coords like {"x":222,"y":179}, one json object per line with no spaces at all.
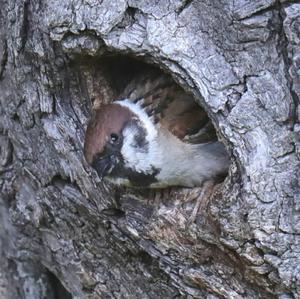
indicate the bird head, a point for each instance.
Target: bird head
{"x":117,"y":140}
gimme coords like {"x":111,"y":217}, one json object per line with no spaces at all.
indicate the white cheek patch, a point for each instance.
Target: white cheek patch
{"x":142,"y":117}
{"x":139,"y":159}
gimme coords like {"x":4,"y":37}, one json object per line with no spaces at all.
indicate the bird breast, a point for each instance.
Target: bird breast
{"x":171,"y":162}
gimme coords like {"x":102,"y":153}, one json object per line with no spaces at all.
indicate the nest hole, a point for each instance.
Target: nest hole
{"x":117,"y":77}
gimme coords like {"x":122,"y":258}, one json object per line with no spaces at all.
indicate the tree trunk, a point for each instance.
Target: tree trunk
{"x":65,"y":234}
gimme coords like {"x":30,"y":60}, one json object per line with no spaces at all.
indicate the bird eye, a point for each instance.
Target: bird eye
{"x":114,"y":137}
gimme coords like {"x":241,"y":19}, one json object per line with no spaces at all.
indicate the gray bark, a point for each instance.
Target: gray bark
{"x":64,"y":233}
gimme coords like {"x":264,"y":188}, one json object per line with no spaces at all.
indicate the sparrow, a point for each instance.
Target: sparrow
{"x":156,"y":136}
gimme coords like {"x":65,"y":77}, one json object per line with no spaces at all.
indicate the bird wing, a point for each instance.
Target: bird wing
{"x":170,"y":106}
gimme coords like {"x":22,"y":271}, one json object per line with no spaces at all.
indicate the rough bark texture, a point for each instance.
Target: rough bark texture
{"x":63,"y":233}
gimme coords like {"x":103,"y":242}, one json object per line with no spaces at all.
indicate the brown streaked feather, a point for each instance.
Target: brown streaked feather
{"x":170,"y":106}
{"x":106,"y":120}
{"x":206,"y":134}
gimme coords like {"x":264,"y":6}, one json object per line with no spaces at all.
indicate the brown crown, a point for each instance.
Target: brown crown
{"x":106,"y":120}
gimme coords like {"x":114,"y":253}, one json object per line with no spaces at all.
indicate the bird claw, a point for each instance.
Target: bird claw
{"x":201,"y":201}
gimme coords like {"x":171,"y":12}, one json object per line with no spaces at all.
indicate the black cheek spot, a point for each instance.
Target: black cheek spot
{"x":140,"y":141}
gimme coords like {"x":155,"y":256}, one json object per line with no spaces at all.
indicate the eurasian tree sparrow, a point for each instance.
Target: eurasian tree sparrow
{"x":154,"y":139}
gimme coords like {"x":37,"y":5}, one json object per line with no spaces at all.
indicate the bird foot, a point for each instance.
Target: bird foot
{"x":202,"y":200}
{"x":158,"y":195}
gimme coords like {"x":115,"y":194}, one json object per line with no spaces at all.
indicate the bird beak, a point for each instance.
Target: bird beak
{"x":104,"y":165}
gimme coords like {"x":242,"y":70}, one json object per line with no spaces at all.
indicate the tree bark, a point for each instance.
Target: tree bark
{"x":65,"y":234}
